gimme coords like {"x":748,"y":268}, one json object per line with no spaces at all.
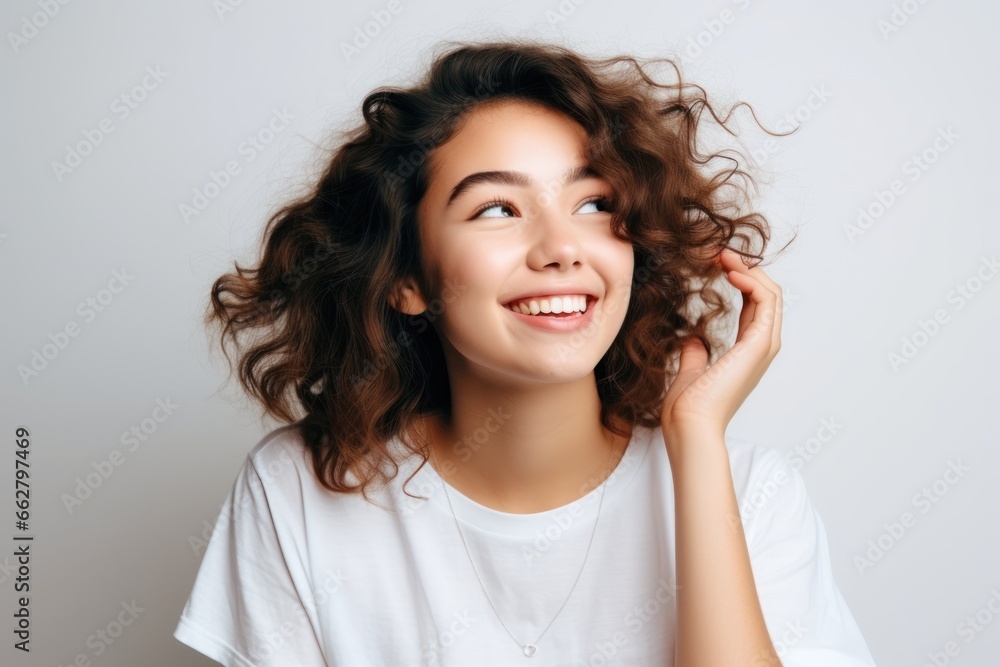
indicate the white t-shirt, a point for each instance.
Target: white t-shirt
{"x":297,"y":575}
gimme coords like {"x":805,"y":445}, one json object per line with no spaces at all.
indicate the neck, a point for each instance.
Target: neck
{"x":524,"y":449}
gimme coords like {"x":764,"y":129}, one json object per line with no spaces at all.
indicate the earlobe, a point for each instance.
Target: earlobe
{"x":406,"y":298}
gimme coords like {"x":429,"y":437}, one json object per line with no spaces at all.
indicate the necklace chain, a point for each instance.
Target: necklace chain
{"x":530,"y":648}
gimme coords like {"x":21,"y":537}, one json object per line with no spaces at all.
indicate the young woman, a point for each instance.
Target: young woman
{"x":509,"y":272}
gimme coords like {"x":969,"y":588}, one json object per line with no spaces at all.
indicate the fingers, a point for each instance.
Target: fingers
{"x":731,"y":261}
{"x":694,"y":356}
{"x":736,"y":263}
{"x":692,"y":363}
{"x":747,"y":312}
{"x":762,"y":303}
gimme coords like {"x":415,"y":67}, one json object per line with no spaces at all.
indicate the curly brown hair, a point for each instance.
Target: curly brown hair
{"x":327,"y":349}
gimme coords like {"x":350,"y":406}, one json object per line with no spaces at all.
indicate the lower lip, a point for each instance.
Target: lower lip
{"x":571,"y":323}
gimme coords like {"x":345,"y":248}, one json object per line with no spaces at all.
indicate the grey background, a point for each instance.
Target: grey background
{"x":849,"y":304}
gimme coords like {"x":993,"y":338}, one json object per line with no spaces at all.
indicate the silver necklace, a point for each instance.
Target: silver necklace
{"x":532,"y":647}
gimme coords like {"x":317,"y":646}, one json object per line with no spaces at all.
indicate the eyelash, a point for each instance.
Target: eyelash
{"x":498,"y":201}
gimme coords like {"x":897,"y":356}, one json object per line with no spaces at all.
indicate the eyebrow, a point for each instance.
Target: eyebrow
{"x":517,"y":178}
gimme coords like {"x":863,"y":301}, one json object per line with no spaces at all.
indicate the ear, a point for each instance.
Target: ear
{"x":406,"y":298}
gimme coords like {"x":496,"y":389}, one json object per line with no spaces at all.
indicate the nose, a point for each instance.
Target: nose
{"x":555,"y":240}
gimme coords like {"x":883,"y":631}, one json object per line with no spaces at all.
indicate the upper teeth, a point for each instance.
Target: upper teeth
{"x":551,"y":304}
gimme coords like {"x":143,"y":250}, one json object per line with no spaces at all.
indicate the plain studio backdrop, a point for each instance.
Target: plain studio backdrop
{"x":121,"y":120}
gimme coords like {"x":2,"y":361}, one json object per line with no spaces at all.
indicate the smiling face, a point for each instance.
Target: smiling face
{"x":512,"y":211}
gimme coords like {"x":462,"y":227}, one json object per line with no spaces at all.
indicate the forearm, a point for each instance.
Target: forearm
{"x":719,"y":619}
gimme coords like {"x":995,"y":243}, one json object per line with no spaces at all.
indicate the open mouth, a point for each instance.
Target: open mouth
{"x":535,"y":307}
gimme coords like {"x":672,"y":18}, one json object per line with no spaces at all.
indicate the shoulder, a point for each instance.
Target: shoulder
{"x":758,"y":468}
{"x":283,"y":454}
{"x":749,"y":456}
{"x":769,"y":489}
{"x":275,"y":461}
{"x":254,"y":576}
{"x":759,"y":472}
{"x":281,"y":470}
{"x":279,"y":454}
{"x":807,"y":615}
{"x":275,"y":479}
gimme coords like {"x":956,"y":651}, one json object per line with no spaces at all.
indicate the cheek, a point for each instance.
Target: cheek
{"x":628,"y":259}
{"x":470,"y":280}
{"x":617,"y":257}
{"x":479,"y":267}
{"x":620,"y":268}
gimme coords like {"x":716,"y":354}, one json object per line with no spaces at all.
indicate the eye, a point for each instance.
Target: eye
{"x":603,"y":201}
{"x":496,"y":203}
{"x":499,"y":203}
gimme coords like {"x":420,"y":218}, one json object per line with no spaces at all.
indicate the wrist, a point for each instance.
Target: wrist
{"x":693,"y":441}
{"x":686,"y":432}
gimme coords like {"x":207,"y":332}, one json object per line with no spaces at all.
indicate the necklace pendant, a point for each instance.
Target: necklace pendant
{"x":530,"y":649}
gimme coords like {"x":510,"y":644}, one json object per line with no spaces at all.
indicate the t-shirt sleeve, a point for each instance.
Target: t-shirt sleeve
{"x":807,"y":617}
{"x":246,"y":607}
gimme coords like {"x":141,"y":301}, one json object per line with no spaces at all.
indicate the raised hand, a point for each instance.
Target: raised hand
{"x":703,"y":399}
